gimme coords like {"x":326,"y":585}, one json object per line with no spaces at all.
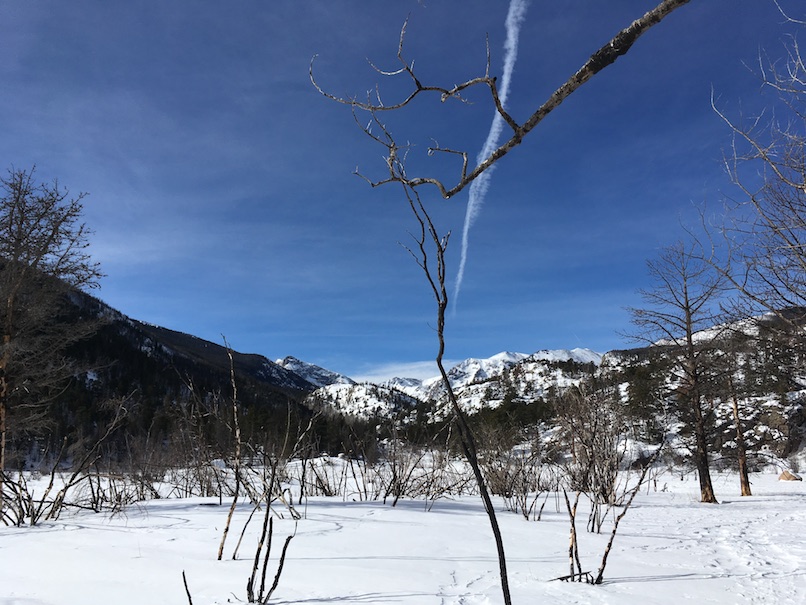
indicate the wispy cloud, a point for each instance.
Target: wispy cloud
{"x":479,"y":187}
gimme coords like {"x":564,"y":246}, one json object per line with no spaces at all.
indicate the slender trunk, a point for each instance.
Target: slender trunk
{"x":744,"y":476}
{"x":237,"y":461}
{"x":469,"y":449}
{"x":2,"y":442}
{"x":575,"y":566}
{"x":5,"y":359}
{"x":701,"y":451}
{"x":695,"y":398}
{"x":465,"y":434}
{"x":3,"y":423}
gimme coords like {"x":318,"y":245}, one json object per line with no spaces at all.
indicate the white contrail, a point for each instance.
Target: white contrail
{"x":479,"y":187}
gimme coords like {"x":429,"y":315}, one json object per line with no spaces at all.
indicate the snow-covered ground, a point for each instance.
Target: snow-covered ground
{"x":670,"y":550}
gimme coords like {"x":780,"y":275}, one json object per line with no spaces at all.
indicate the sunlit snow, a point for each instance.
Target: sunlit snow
{"x":670,"y":550}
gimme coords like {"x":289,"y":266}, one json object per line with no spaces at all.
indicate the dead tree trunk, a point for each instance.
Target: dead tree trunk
{"x":237,"y":461}
{"x":741,"y":450}
{"x":701,"y":451}
{"x":468,"y":443}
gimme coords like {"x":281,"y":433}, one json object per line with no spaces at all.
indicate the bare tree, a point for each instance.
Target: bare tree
{"x":737,"y":362}
{"x":434,"y":269}
{"x":764,"y":229}
{"x":759,"y":245}
{"x":395,"y":153}
{"x":43,"y":253}
{"x":629,"y":496}
{"x":680,"y":322}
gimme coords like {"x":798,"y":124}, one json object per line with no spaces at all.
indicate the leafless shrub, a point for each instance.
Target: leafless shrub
{"x":25,"y":506}
{"x":594,"y":429}
{"x":518,"y":474}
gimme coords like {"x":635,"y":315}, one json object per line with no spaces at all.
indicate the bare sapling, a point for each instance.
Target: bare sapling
{"x":80,"y":471}
{"x":435,"y":277}
{"x":594,"y":424}
{"x":574,"y":566}
{"x":514,"y":469}
{"x":266,"y":533}
{"x":197,"y":469}
{"x":237,"y":460}
{"x":445,"y":478}
{"x":266,"y":498}
{"x":280,"y":565}
{"x":22,"y":503}
{"x":405,"y":465}
{"x":262,"y":595}
{"x":264,"y":483}
{"x":362,"y":486}
{"x":631,"y":496}
{"x":273,"y":467}
{"x":395,"y":155}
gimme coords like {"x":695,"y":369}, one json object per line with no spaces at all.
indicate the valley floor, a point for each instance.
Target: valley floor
{"x":670,"y":549}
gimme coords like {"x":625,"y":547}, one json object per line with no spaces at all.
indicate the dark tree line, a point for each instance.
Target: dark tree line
{"x":43,"y":254}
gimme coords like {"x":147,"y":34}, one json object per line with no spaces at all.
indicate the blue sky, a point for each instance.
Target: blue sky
{"x":220,"y":182}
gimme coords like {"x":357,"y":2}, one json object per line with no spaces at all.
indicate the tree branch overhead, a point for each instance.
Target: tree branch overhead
{"x":618,"y":46}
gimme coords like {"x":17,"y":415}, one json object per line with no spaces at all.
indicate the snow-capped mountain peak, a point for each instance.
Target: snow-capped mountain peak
{"x":314,"y":374}
{"x":476,"y":370}
{"x":578,"y":355}
{"x":476,"y":382}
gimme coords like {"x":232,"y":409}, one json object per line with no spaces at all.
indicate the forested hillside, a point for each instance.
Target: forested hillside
{"x":165,"y":394}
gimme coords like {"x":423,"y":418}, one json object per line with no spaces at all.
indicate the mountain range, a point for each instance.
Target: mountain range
{"x":155,"y":367}
{"x":129,"y":356}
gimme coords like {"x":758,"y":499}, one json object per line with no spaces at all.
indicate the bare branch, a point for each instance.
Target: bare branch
{"x":618,"y":46}
{"x":786,"y":16}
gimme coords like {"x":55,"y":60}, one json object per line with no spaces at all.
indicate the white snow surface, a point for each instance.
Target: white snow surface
{"x":670,"y":549}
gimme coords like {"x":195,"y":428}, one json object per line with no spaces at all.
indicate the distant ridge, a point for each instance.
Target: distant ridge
{"x":314,"y":374}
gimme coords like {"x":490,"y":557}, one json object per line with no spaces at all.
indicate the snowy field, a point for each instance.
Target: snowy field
{"x":670,"y":549}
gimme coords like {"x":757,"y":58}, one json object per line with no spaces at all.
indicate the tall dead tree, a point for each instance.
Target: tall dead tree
{"x":741,"y":448}
{"x":679,"y":322}
{"x":43,"y":254}
{"x":236,"y":462}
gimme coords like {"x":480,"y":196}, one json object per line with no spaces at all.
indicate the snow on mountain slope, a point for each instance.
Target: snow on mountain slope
{"x":529,"y":379}
{"x":314,"y":374}
{"x":578,"y":355}
{"x":364,"y":400}
{"x":279,"y":375}
{"x":411,"y":386}
{"x":477,"y":383}
{"x":487,"y":382}
{"x":476,"y":370}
